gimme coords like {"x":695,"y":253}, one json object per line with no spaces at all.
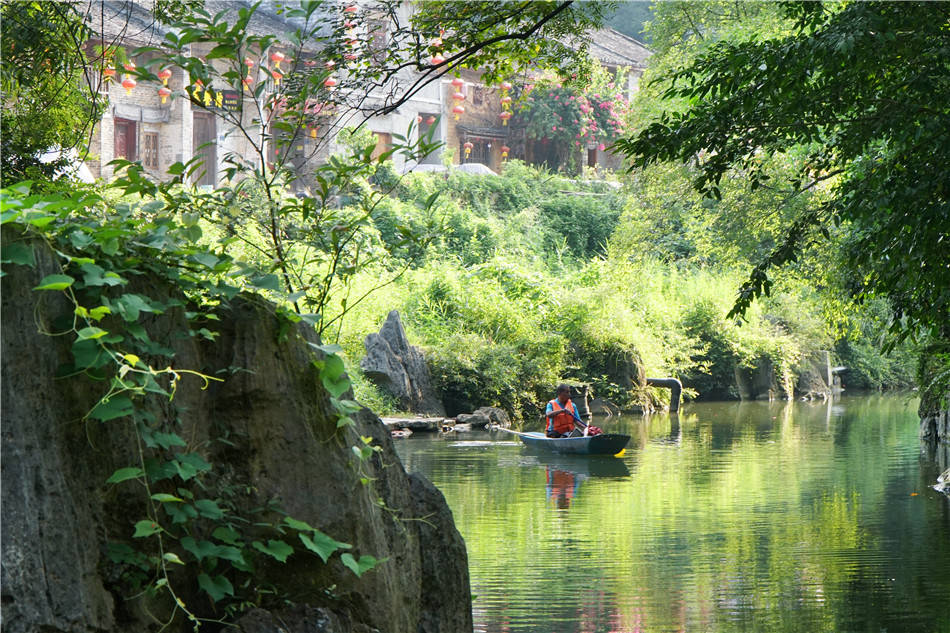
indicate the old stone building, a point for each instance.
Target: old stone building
{"x":158,"y":129}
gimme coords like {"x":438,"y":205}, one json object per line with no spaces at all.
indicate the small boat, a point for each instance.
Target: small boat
{"x":603,"y":444}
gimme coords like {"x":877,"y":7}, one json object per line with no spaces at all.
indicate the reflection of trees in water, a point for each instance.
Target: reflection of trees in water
{"x":737,"y":516}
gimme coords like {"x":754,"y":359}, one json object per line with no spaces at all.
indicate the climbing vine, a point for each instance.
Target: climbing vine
{"x":190,"y":521}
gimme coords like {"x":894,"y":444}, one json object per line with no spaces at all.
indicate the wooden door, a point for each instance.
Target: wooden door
{"x":204,"y":141}
{"x":125,"y":139}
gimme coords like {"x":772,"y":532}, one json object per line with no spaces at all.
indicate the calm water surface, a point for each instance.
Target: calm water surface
{"x":728,"y":517}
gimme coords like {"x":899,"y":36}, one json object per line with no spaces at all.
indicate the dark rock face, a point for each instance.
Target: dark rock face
{"x":475,"y":420}
{"x":495,"y":415}
{"x":400,"y":368}
{"x":58,"y":512}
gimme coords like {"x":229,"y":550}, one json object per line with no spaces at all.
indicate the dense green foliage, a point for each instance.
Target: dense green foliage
{"x":861,"y":90}
{"x":48,"y":100}
{"x":511,"y":298}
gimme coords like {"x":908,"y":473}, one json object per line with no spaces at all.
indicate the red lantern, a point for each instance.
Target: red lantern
{"x":458,"y":97}
{"x":437,"y":59}
{"x":349,"y":24}
{"x":506,"y":102}
{"x":430,"y":120}
{"x":199,"y":85}
{"x":129,"y":66}
{"x":458,"y":111}
{"x":330,"y":83}
{"x":247,"y":81}
{"x":164,"y":92}
{"x":277,"y":57}
{"x":506,"y":86}
{"x":468,"y":148}
{"x":249,"y":62}
{"x":350,"y":57}
{"x":504,"y":151}
{"x":419,"y":118}
{"x":108,"y":73}
{"x":313,"y":131}
{"x":277,"y":75}
{"x":164,"y":75}
{"x":128,"y":83}
{"x":504,"y":117}
{"x":435,"y":42}
{"x":458,"y":83}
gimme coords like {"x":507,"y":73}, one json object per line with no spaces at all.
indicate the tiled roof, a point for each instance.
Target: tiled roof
{"x":610,"y":46}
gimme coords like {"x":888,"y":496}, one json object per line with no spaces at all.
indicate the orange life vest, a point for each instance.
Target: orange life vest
{"x":563,"y":421}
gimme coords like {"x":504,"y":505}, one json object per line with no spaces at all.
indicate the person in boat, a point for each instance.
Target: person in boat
{"x":561,"y":416}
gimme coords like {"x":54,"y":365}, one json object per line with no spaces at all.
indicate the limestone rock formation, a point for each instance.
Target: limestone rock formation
{"x":400,"y":368}
{"x":282,"y":445}
{"x":495,"y":415}
{"x":474,"y":420}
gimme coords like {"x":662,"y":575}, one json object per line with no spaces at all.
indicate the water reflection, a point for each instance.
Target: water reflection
{"x":729,"y":517}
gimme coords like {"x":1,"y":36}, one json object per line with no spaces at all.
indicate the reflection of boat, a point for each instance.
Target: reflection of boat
{"x":587,"y":466}
{"x":603,"y":444}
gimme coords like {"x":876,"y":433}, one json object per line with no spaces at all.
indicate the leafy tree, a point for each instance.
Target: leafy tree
{"x":48,"y":101}
{"x":576,"y":113}
{"x":864,"y":88}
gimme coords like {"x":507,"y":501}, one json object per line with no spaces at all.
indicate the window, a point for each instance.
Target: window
{"x":125,"y":145}
{"x":384,"y":143}
{"x":150,"y":150}
{"x":478,"y":96}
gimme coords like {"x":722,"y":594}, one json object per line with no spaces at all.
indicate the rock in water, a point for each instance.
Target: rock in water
{"x":496,"y":415}
{"x":400,"y":368}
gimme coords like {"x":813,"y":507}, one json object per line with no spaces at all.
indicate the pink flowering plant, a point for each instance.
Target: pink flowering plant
{"x":576,"y":116}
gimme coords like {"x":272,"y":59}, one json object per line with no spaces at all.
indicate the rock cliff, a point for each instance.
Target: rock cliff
{"x":268,"y":431}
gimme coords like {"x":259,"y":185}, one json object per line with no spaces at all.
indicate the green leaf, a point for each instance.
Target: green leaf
{"x":19,"y":253}
{"x":163,"y":497}
{"x":328,"y":349}
{"x":217,"y":587}
{"x":88,"y":354}
{"x":199,"y":549}
{"x":172,"y":557}
{"x":95,"y":275}
{"x":157,"y":439}
{"x":188,"y":465}
{"x":129,"y":306}
{"x":276,"y":549}
{"x":227,"y":535}
{"x":146,"y":527}
{"x":333,"y":377}
{"x":124,"y":474}
{"x":358,"y":567}
{"x":302,"y":526}
{"x":266,"y":282}
{"x":91,"y":332}
{"x":209,"y":508}
{"x":322,"y":545}
{"x":114,"y":407}
{"x":55,"y":282}
{"x":96,"y":314}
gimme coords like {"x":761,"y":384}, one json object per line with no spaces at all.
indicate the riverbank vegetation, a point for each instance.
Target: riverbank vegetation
{"x":535,"y":278}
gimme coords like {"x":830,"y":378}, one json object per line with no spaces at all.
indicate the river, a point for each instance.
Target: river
{"x":729,"y":517}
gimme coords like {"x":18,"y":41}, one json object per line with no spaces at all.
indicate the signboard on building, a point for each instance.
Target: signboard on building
{"x":229,"y":100}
